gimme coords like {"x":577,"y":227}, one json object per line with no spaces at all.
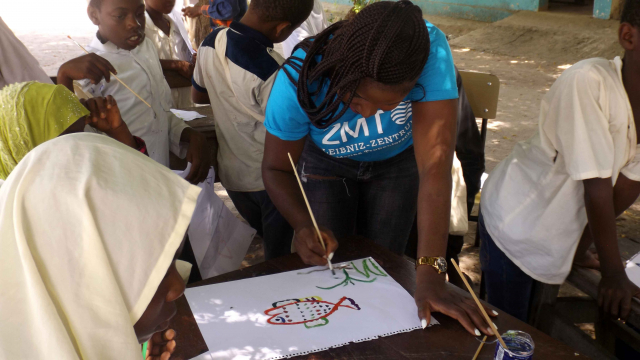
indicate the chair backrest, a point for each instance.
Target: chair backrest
{"x":482,"y":91}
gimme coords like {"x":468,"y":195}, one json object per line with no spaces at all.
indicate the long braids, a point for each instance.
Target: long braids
{"x":387,"y":42}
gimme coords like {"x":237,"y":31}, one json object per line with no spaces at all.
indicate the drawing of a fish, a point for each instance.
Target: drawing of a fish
{"x":311,"y":311}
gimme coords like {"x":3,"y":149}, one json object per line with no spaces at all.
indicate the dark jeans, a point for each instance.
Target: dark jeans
{"x":256,"y":207}
{"x":377,"y":200}
{"x":508,"y":287}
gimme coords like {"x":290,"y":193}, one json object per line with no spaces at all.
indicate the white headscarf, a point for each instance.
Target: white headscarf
{"x":88,"y":229}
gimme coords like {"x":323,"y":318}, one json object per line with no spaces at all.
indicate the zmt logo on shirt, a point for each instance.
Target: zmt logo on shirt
{"x":399,"y":115}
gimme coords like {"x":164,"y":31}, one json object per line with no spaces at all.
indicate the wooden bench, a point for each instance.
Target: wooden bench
{"x":557,"y":316}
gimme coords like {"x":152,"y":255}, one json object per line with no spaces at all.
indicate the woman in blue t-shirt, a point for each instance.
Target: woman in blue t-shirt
{"x":348,"y":106}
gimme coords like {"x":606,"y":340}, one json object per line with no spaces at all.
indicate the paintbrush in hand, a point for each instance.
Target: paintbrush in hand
{"x":315,"y":224}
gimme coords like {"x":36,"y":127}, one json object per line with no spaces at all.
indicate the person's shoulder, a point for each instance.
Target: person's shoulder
{"x":587,"y":73}
{"x":436,"y":36}
{"x":595,"y":66}
{"x":251,"y":56}
{"x":210,"y":40}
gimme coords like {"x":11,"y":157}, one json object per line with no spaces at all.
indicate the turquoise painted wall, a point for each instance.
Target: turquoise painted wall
{"x":602,"y":9}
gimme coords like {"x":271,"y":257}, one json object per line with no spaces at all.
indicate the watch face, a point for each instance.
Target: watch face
{"x":441,"y":264}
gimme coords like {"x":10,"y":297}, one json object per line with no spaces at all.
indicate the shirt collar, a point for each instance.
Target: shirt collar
{"x":109,"y":47}
{"x":251,"y":33}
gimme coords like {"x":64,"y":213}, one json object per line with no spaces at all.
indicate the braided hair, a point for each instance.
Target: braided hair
{"x":387,"y":41}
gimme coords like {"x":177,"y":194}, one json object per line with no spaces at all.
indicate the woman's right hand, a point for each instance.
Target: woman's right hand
{"x":308,"y":245}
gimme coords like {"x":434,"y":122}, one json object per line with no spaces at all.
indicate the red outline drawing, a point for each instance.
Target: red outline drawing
{"x":311,"y":311}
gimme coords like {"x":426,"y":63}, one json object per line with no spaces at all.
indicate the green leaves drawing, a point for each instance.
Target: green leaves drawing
{"x":366,"y":271}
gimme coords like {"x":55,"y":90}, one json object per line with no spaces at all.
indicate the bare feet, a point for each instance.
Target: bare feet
{"x":588,"y":259}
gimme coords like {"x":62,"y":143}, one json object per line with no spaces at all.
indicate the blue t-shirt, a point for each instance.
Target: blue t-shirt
{"x":375,"y":138}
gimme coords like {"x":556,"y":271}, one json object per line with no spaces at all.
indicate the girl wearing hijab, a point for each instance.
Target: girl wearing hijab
{"x":89,"y":230}
{"x":32,"y":113}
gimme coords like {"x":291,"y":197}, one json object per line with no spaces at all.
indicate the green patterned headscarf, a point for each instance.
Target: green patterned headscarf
{"x":30,"y":114}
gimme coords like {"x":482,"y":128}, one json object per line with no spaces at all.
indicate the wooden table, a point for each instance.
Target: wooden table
{"x":449,"y":340}
{"x":205,"y":125}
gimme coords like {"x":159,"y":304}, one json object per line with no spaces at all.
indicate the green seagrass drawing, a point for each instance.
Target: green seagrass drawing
{"x":370,"y":273}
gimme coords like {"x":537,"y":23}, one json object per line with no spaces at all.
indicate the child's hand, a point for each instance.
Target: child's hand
{"x":194,"y":58}
{"x":185,"y":69}
{"x":90,"y":66}
{"x":105,"y":115}
{"x":161,"y":345}
{"x":588,"y":259}
{"x":191,"y":11}
{"x":615,"y":294}
{"x":199,"y":156}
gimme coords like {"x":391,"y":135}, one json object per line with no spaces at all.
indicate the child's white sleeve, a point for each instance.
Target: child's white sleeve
{"x":197,"y":81}
{"x":176,"y":127}
{"x":632,"y":169}
{"x":572,"y":118}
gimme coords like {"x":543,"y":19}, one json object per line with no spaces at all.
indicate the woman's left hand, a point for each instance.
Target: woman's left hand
{"x":433,"y":294}
{"x":161,"y":345}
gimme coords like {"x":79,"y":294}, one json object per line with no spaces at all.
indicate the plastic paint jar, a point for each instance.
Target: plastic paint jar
{"x":520,"y":346}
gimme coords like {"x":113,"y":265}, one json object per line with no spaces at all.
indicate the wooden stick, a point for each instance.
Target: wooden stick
{"x":112,"y":74}
{"x":479,"y":348}
{"x":313,"y":218}
{"x":484,"y":313}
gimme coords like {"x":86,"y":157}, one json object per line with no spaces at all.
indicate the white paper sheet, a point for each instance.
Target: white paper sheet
{"x":633,"y":269}
{"x":219,"y":240}
{"x":187,"y":115}
{"x":295,"y":313}
{"x":176,"y":16}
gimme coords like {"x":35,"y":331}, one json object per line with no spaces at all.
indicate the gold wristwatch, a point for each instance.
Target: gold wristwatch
{"x":439,"y":263}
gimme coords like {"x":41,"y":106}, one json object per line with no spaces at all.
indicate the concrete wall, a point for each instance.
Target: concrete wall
{"x":607,"y":9}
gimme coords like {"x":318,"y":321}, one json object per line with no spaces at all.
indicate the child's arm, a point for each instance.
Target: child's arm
{"x":198,"y":154}
{"x":90,"y":66}
{"x":199,"y":93}
{"x":105,"y":117}
{"x":200,"y":97}
{"x":217,"y":9}
{"x":615,"y":290}
{"x":178,"y":73}
{"x":625,"y":193}
{"x":192,"y":11}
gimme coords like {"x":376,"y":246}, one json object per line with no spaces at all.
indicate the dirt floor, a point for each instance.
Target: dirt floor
{"x":527,"y":51}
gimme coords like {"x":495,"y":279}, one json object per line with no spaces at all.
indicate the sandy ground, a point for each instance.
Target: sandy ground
{"x":527,"y":51}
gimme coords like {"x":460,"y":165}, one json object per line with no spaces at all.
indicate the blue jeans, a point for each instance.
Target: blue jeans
{"x":377,"y":200}
{"x":508,"y":287}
